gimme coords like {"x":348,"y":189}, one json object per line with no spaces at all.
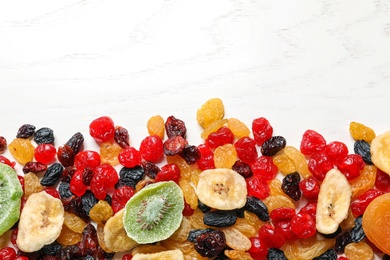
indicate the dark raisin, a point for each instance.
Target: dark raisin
{"x":76,"y":142}
{"x":357,"y":232}
{"x":70,"y":252}
{"x":89,"y":257}
{"x":195,"y":232}
{"x":363,"y":149}
{"x":275,"y":254}
{"x":273,"y":145}
{"x":174,"y":145}
{"x":190,"y":154}
{"x":243,"y":169}
{"x":121,"y":183}
{"x":108,"y":199}
{"x":67,"y":173}
{"x":203,"y":207}
{"x":52,"y":174}
{"x":34,"y":167}
{"x":150,"y":169}
{"x":88,"y":201}
{"x":334,"y":234}
{"x":87,"y":176}
{"x":44,"y":135}
{"x":51,"y":249}
{"x":175,"y":127}
{"x":341,"y":241}
{"x":290,"y":185}
{"x":121,"y":136}
{"x":220,"y":218}
{"x":240,"y":212}
{"x":65,"y":155}
{"x":256,"y":206}
{"x":78,"y":207}
{"x":3,"y":144}
{"x":210,"y":244}
{"x":25,"y":131}
{"x":132,"y":175}
{"x":386,"y":257}
{"x":64,"y":190}
{"x":329,"y":254}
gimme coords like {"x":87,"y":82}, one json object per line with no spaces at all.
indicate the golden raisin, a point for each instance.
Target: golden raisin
{"x":184,"y":246}
{"x":361,"y":132}
{"x":22,"y":150}
{"x":196,"y":220}
{"x":349,"y":222}
{"x":238,"y":128}
{"x":213,"y":127}
{"x":185,"y":169}
{"x":245,"y":227}
{"x":109,"y":152}
{"x":73,"y":222}
{"x":237,"y":255}
{"x":254,"y":220}
{"x":212,"y":110}
{"x":364,"y":182}
{"x":284,"y":163}
{"x":236,"y":240}
{"x":299,"y":160}
{"x":31,"y":184}
{"x":189,"y":193}
{"x":148,"y":249}
{"x":307,"y":248}
{"x":225,"y":156}
{"x":156,"y":126}
{"x":68,"y":237}
{"x":101,"y":212}
{"x":181,"y":234}
{"x":359,"y":251}
{"x":275,"y":187}
{"x":274,"y":202}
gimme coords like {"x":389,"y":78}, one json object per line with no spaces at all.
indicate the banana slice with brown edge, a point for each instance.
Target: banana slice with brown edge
{"x":115,"y":236}
{"x":40,"y":222}
{"x":222,"y":188}
{"x":164,"y":255}
{"x":380,"y":152}
{"x":333,"y":202}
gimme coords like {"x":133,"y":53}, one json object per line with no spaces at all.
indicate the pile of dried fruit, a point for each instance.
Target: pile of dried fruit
{"x":241,"y":194}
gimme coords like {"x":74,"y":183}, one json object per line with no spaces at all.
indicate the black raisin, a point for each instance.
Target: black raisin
{"x":88,"y":201}
{"x":195,"y":232}
{"x":363,"y":149}
{"x":51,"y":249}
{"x":342,"y":241}
{"x":108,"y":199}
{"x":273,"y":145}
{"x":134,"y":174}
{"x":210,"y":244}
{"x":175,"y":127}
{"x":357,"y":232}
{"x":52,"y":174}
{"x":275,"y":254}
{"x":243,"y":169}
{"x":329,"y":254}
{"x":290,"y":185}
{"x":25,"y":131}
{"x":44,"y":135}
{"x":64,"y":190}
{"x":121,"y":183}
{"x":220,"y":218}
{"x":150,"y":169}
{"x":256,"y":206}
{"x":76,"y":142}
{"x":203,"y":207}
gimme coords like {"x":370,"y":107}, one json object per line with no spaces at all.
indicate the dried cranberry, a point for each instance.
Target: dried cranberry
{"x":312,"y":142}
{"x":273,"y":145}
{"x":206,"y":160}
{"x":25,"y":131}
{"x":5,"y":160}
{"x":97,"y":187}
{"x":174,"y":145}
{"x":310,"y":188}
{"x":187,"y":211}
{"x":246,"y":149}
{"x":190,"y":154}
{"x":351,"y":166}
{"x":262,"y":130}
{"x":129,"y":157}
{"x":169,"y":172}
{"x":89,"y":241}
{"x":87,"y":158}
{"x":210,"y":244}
{"x":150,"y":169}
{"x":108,"y":174}
{"x":283,"y":227}
{"x":265,"y":168}
{"x":319,"y":164}
{"x":336,"y":151}
{"x":243,"y":169}
{"x":222,"y":136}
{"x":303,"y":225}
{"x":290,"y":185}
{"x":53,"y":192}
{"x":272,"y":238}
{"x":7,"y":253}
{"x":14,"y":236}
{"x":65,"y":155}
{"x":121,"y":136}
{"x":21,"y":180}
{"x":102,"y":129}
{"x":310,"y":208}
{"x":175,"y":127}
{"x":258,"y":187}
{"x":3,"y":144}
{"x":151,"y":148}
{"x":67,"y":173}
{"x":34,"y":167}
{"x":87,"y":176}
{"x":382,"y":181}
{"x":127,"y":257}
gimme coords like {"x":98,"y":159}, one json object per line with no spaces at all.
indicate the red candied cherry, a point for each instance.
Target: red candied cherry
{"x":336,"y":151}
{"x":246,"y":149}
{"x":169,"y":172}
{"x":283,"y":227}
{"x":382,"y":181}
{"x":312,"y":142}
{"x":97,"y":187}
{"x":271,"y":237}
{"x":265,"y":168}
{"x":258,"y":187}
{"x":351,"y":166}
{"x":151,"y":148}
{"x":222,"y":136}
{"x":310,"y":208}
{"x":187,"y":211}
{"x":262,"y":130}
{"x":14,"y":236}
{"x":319,"y":164}
{"x":258,"y":248}
{"x":108,"y":174}
{"x":77,"y":185}
{"x":310,"y":188}
{"x":102,"y":129}
{"x":5,"y":160}
{"x":127,"y":257}
{"x":282,"y":213}
{"x":206,"y":160}
{"x":120,"y":197}
{"x":7,"y":253}
{"x":45,"y":153}
{"x":130,"y":157}
{"x":361,"y":203}
{"x":53,"y":192}
{"x":87,"y":158}
{"x":303,"y":225}
{"x":21,"y":257}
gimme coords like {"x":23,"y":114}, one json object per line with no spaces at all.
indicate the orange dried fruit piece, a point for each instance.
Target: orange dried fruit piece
{"x":100,"y":236}
{"x":74,"y":223}
{"x":358,"y":251}
{"x":155,"y":126}
{"x":238,"y":128}
{"x":225,"y":156}
{"x":360,"y":131}
{"x":213,"y":127}
{"x":212,"y":110}
{"x":101,"y":212}
{"x":22,"y":150}
{"x":181,"y":234}
{"x":109,"y":152}
{"x":68,"y":237}
{"x":376,"y":222}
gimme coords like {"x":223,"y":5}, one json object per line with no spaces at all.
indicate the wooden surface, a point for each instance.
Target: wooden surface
{"x":301,"y":64}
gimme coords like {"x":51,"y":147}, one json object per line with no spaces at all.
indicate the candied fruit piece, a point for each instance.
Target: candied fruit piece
{"x":238,"y":128}
{"x":212,"y":110}
{"x":225,"y":156}
{"x":155,"y":126}
{"x":312,"y":142}
{"x":22,"y":150}
{"x":360,"y":131}
{"x":262,"y":130}
{"x":102,"y":129}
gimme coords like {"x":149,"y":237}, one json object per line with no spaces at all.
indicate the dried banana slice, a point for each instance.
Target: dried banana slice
{"x":222,"y":188}
{"x":164,"y":255}
{"x":380,"y":152}
{"x":333,"y":202}
{"x":40,"y":222}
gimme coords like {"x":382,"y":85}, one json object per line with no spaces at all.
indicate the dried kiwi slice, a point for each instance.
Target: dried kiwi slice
{"x":154,"y":213}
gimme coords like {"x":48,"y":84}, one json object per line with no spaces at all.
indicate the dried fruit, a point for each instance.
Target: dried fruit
{"x":220,"y":218}
{"x":22,"y":150}
{"x":44,"y":135}
{"x":31,"y":184}
{"x":360,"y":131}
{"x":262,"y":130}
{"x":25,"y":131}
{"x":210,"y":244}
{"x":175,"y":127}
{"x":358,"y":251}
{"x":109,"y":152}
{"x":101,"y":212}
{"x":273,"y":145}
{"x":3,"y":144}
{"x":236,"y":240}
{"x":102,"y":129}
{"x":121,"y":137}
{"x":74,"y":223}
{"x":238,"y":128}
{"x":212,"y":110}
{"x":52,"y":175}
{"x":380,"y":155}
{"x":290,"y":185}
{"x":155,"y":126}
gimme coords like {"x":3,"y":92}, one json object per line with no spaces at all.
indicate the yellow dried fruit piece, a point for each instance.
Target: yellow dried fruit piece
{"x":196,"y":220}
{"x":359,"y":251}
{"x":225,"y":156}
{"x":74,"y":223}
{"x":275,"y":187}
{"x":238,"y":128}
{"x":68,"y":237}
{"x":22,"y":150}
{"x":148,"y":249}
{"x":100,"y":236}
{"x":101,"y":212}
{"x":31,"y":184}
{"x":299,"y":160}
{"x":237,"y":255}
{"x":284,"y":163}
{"x":303,"y":249}
{"x":189,"y":193}
{"x":109,"y":152}
{"x":236,"y":240}
{"x":213,"y":127}
{"x":245,"y":227}
{"x":184,"y":246}
{"x":254,"y":220}
{"x":274,"y":202}
{"x":360,"y":131}
{"x":364,"y":182}
{"x":181,"y":234}
{"x":212,"y":110}
{"x":349,"y":222}
{"x":155,"y":126}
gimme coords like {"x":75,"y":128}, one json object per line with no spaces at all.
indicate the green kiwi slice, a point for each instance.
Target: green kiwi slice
{"x":154,"y":213}
{"x":10,"y":197}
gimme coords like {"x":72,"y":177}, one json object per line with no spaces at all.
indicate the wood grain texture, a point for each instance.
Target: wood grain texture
{"x":315,"y":64}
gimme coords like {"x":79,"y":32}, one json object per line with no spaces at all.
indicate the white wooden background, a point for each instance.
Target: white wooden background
{"x":315,"y":64}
